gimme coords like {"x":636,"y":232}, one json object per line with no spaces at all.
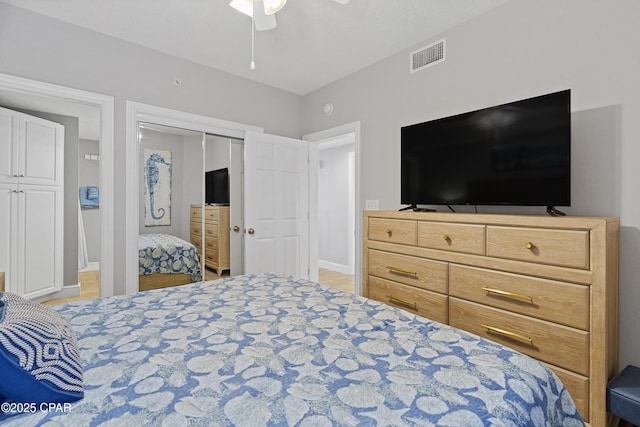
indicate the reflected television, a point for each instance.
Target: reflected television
{"x":217,"y":187}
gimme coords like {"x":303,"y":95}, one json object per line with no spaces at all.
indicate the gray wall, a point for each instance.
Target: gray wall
{"x":40,"y":48}
{"x":522,"y":49}
{"x":217,"y":152}
{"x":89,"y":174}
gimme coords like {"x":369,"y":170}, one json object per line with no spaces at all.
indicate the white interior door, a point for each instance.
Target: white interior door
{"x":276,"y":194}
{"x":236,"y":208}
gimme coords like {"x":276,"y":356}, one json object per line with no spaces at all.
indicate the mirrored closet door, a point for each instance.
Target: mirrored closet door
{"x":190,"y":206}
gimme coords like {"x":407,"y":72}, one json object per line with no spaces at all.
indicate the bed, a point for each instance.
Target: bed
{"x":262,"y":350}
{"x":166,"y":260}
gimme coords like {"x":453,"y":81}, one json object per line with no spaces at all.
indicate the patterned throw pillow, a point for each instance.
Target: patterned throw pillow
{"x":39,"y":358}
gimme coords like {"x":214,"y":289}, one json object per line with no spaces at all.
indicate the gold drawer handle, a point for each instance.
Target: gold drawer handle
{"x":393,"y":269}
{"x":447,"y":238}
{"x":511,"y":335}
{"x":398,"y":301}
{"x":530,"y":245}
{"x":389,"y":232}
{"x":509,"y":294}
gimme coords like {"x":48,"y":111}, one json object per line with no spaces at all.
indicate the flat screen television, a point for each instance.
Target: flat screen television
{"x":217,"y":187}
{"x":511,"y":154}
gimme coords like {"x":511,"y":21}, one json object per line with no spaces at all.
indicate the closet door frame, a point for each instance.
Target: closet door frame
{"x":139,"y":112}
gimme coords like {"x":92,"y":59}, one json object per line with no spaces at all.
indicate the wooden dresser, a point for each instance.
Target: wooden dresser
{"x":545,"y":286}
{"x":216,"y":236}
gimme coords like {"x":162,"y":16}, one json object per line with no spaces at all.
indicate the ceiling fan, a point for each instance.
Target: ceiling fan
{"x":263,"y":11}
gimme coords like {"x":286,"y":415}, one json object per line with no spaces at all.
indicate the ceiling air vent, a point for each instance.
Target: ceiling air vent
{"x":428,"y":56}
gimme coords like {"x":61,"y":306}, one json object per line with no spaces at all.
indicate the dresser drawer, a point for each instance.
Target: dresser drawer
{"x":578,"y":387}
{"x":210,"y":231}
{"x":393,"y":231}
{"x":420,"y":272}
{"x":195,"y":228}
{"x":424,"y":303}
{"x":467,"y":238}
{"x":562,"y":346}
{"x":567,"y":248}
{"x":211,"y":214}
{"x":211,"y":257}
{"x":196,"y":240}
{"x":550,"y":300}
{"x":211,"y":245}
{"x":196,"y":214}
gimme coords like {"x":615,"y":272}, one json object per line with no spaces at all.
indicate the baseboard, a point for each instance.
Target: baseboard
{"x":68,"y":291}
{"x":333,"y":266}
{"x":92,"y":266}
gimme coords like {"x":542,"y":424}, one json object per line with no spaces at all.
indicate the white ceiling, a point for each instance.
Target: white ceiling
{"x":315,"y":43}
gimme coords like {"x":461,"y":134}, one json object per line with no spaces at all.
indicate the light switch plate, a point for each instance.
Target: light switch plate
{"x":371,"y":205}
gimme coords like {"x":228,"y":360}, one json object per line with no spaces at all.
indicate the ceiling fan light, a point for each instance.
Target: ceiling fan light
{"x":262,"y":21}
{"x":244,"y":6}
{"x":272,"y":6}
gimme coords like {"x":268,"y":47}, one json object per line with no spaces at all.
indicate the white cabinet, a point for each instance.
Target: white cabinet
{"x":31,"y":204}
{"x":31,"y":150}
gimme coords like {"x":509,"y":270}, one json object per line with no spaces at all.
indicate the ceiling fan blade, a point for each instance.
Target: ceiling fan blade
{"x":263,"y":22}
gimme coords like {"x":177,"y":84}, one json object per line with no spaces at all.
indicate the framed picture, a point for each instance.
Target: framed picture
{"x":157,"y":187}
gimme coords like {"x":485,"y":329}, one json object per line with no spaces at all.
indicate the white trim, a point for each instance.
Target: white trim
{"x":352,"y":214}
{"x":314,"y":249}
{"x":316,"y":137}
{"x":138,"y":112}
{"x":338,"y":141}
{"x":105,"y":103}
{"x":69,"y":291}
{"x":333,"y":266}
{"x":92,"y":266}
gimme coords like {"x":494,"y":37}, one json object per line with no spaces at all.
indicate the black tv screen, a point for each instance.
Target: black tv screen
{"x":511,"y":154}
{"x":217,"y":187}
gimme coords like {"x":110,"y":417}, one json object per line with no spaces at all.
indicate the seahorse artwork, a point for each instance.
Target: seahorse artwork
{"x":157,"y":182}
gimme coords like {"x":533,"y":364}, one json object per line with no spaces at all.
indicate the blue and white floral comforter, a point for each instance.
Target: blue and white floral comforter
{"x":268,"y":350}
{"x":164,"y":253}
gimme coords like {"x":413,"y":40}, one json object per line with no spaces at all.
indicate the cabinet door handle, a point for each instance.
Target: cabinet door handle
{"x":398,"y":301}
{"x":397,"y":270}
{"x":251,"y":231}
{"x":508,"y":334}
{"x":506,"y":294}
{"x":236,"y":228}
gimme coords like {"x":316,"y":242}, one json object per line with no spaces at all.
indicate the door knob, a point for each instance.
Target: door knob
{"x":251,"y":231}
{"x":236,"y":228}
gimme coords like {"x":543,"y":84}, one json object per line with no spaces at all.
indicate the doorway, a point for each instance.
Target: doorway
{"x":62,"y":100}
{"x":335,"y":156}
{"x":336,"y":204}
